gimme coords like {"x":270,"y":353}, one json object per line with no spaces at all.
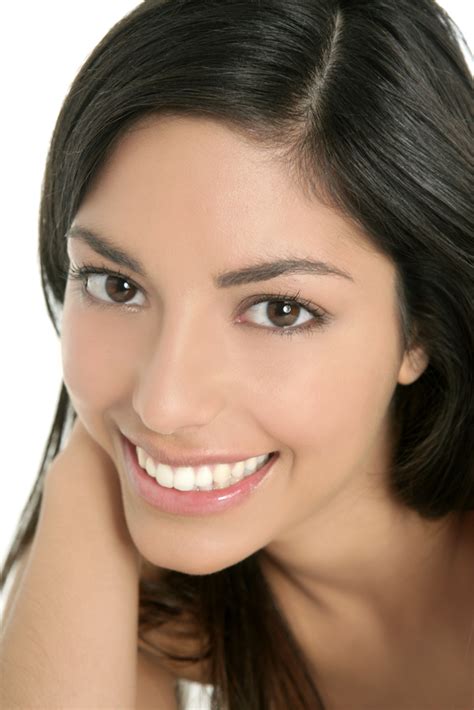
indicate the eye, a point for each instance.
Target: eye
{"x":105,"y":287}
{"x":287,"y":313}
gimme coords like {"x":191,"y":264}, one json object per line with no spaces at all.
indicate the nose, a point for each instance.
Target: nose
{"x":180,"y":383}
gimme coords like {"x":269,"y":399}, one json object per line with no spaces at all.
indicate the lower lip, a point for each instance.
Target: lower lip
{"x":170,"y":500}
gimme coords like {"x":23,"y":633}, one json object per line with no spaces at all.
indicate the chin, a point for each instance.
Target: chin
{"x":186,"y":558}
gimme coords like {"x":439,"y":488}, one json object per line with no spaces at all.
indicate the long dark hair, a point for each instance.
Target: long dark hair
{"x":368,"y":104}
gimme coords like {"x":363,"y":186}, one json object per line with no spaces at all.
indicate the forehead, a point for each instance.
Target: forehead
{"x":194,"y":183}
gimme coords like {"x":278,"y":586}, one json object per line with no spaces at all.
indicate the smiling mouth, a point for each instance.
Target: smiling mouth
{"x":201,"y":478}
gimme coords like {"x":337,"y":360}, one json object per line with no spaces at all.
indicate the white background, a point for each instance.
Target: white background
{"x":42,"y":45}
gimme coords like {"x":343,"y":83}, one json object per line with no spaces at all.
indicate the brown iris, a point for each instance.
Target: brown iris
{"x":283,"y":312}
{"x":119,"y":294}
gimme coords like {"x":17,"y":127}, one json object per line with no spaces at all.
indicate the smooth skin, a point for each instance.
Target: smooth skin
{"x":380,"y":600}
{"x":70,"y":638}
{"x":69,"y":630}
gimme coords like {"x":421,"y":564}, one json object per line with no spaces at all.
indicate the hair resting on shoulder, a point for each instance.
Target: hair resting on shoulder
{"x":368,"y":103}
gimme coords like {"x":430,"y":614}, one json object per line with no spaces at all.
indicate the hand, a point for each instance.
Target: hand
{"x":84,"y":473}
{"x":78,"y":599}
{"x":82,"y":448}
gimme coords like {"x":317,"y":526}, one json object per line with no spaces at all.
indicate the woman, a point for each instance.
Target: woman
{"x":222,"y":172}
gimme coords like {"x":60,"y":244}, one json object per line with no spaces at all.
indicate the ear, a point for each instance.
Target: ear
{"x":414,"y":363}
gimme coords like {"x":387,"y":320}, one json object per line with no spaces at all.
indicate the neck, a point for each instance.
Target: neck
{"x":363,"y":549}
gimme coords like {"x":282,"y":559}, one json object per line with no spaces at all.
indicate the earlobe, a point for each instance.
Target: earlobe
{"x":413,"y":365}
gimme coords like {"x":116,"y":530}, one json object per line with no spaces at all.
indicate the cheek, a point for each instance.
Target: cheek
{"x":328,"y":397}
{"x":95,"y":359}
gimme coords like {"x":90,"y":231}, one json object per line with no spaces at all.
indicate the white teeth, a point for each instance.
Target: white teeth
{"x":150,"y":467}
{"x":205,"y":478}
{"x":162,"y":473}
{"x":141,"y":457}
{"x":238,"y":470}
{"x":221,"y":475}
{"x":250,"y":465}
{"x":184,"y":478}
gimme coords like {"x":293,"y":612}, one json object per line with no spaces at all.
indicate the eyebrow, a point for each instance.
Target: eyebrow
{"x":258,"y":272}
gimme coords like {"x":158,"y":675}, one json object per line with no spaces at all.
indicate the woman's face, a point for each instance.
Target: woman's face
{"x":191,"y":365}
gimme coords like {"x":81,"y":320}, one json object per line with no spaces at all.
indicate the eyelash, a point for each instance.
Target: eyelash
{"x":322,"y":318}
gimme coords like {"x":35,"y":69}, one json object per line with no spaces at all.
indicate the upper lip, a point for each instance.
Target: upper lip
{"x":194,"y":458}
